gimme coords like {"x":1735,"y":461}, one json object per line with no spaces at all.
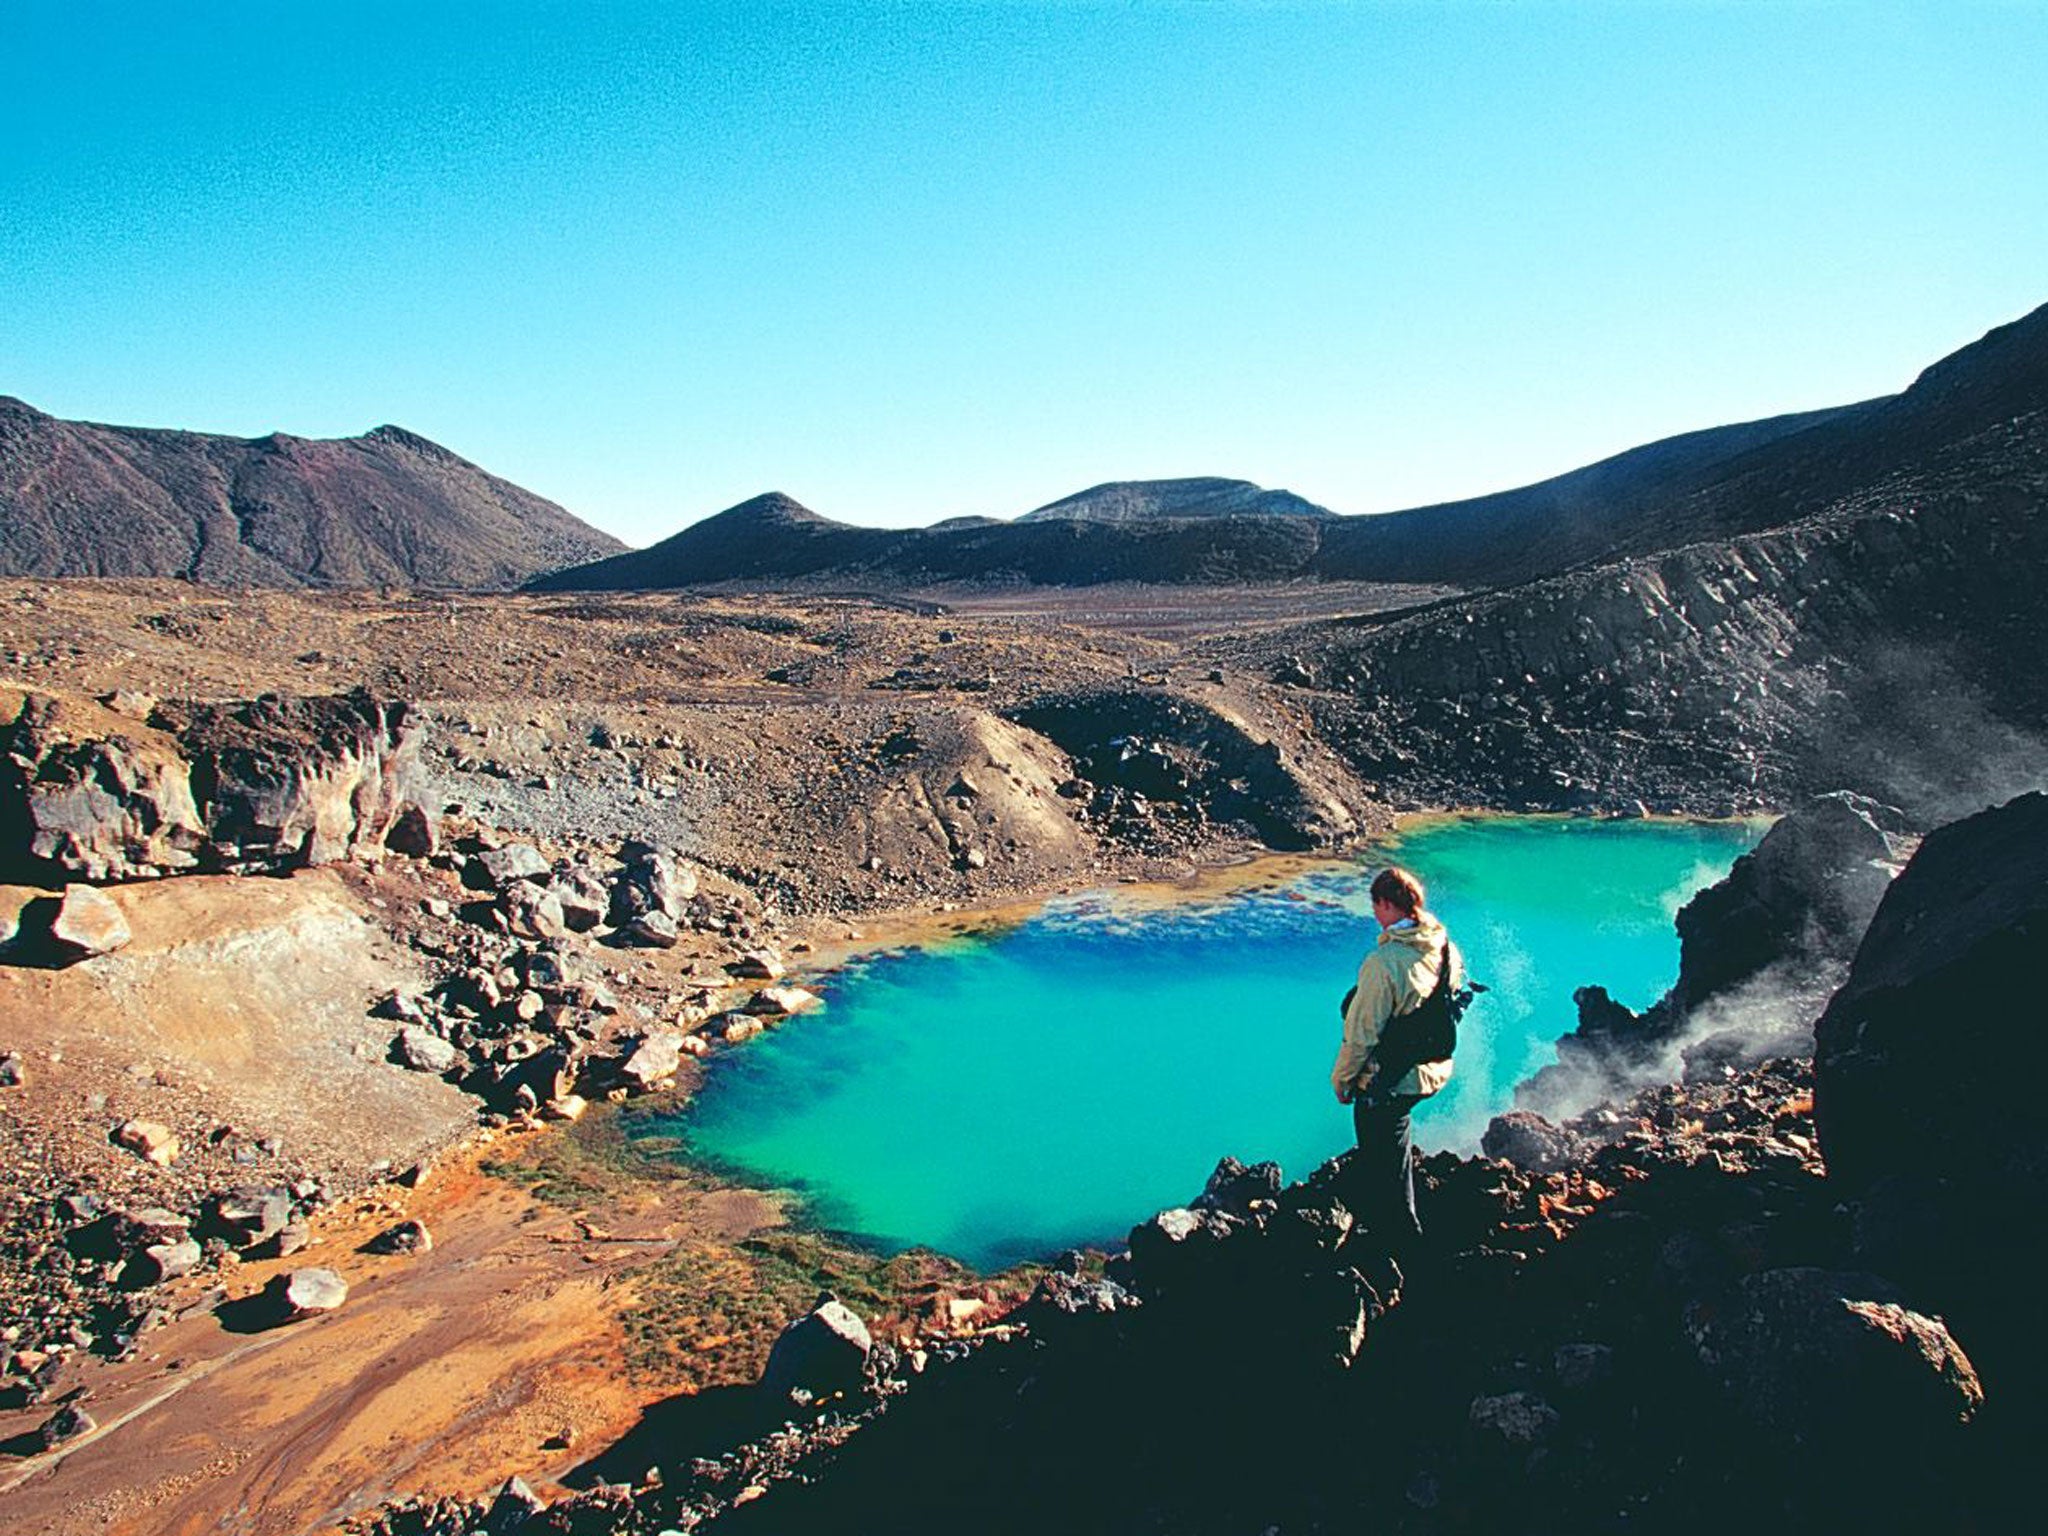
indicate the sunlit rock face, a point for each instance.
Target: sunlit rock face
{"x":89,"y":793}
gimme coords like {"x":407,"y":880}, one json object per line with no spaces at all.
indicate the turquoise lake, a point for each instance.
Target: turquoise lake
{"x":1005,"y":1096}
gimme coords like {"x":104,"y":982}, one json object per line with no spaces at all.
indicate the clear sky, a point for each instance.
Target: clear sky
{"x":910,"y":261}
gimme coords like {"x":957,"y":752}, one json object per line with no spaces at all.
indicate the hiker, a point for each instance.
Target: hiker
{"x":1396,"y":977}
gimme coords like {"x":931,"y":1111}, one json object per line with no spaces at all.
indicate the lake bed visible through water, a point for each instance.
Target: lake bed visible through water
{"x":1002,"y":1096}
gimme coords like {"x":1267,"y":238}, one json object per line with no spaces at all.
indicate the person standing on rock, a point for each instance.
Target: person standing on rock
{"x":1403,"y":970}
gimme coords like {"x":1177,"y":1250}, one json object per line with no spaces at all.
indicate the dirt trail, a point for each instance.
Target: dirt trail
{"x":499,"y":1349}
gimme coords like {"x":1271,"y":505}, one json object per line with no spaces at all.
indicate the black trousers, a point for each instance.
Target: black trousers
{"x":1383,"y":1173}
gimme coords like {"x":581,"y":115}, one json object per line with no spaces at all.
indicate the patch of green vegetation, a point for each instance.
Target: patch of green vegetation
{"x":709,"y":1310}
{"x":709,"y":1315}
{"x":593,"y":1162}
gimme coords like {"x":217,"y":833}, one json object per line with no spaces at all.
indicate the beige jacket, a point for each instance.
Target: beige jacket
{"x":1395,"y":976}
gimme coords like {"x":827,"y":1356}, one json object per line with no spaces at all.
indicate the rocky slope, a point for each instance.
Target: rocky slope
{"x":389,"y":507}
{"x":1687,"y":1320}
{"x":1871,"y":648}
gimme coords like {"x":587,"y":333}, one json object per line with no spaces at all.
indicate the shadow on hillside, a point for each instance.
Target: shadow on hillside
{"x":697,"y":1424}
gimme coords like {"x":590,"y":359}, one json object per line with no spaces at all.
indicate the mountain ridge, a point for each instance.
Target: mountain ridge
{"x":1715,"y":482}
{"x":388,"y":507}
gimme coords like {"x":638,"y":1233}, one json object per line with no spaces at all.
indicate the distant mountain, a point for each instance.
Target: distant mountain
{"x":1962,"y":421}
{"x":765,"y":537}
{"x":1130,"y":501}
{"x":1959,"y":424}
{"x":81,"y":499}
{"x":772,"y":539}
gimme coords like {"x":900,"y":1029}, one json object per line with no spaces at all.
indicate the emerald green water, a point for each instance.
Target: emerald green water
{"x":1004,"y":1097}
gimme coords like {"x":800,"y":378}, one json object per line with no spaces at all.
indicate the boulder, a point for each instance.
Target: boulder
{"x":514,"y":1505}
{"x":1835,"y":1360}
{"x":304,"y":1292}
{"x":652,"y":881}
{"x":159,"y":1262}
{"x":288,"y":782}
{"x":96,"y":795}
{"x":780,"y":1002}
{"x":1758,"y":950}
{"x":251,"y":1214}
{"x":823,"y":1352}
{"x":1232,"y":1187}
{"x":1308,"y":1225}
{"x":1527,"y":1140}
{"x":265,"y":784}
{"x":408,"y":1237}
{"x":496,"y":868}
{"x":656,"y":1059}
{"x":1515,"y":1420}
{"x":12,"y":1073}
{"x":149,"y":1140}
{"x":583,"y":899}
{"x":424,"y":1051}
{"x":653,"y":929}
{"x":1174,"y":1249}
{"x":758,"y":965}
{"x":1807,"y":890}
{"x":1926,"y":1071}
{"x":88,"y":923}
{"x":66,"y":1424}
{"x":78,"y":1206}
{"x":1582,"y":1367}
{"x":1064,"y":1306}
{"x":738,"y":1027}
{"x":545,"y":1076}
{"x":532,"y":912}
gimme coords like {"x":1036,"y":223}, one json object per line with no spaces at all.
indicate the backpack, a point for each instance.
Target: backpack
{"x":1428,"y":1031}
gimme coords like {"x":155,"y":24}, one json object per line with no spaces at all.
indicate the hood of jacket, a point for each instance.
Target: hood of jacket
{"x":1425,"y":935}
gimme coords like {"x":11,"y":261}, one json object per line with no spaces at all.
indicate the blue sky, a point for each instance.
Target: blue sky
{"x":911,"y":261}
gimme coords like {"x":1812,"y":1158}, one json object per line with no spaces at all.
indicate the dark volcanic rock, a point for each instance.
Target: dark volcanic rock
{"x":80,"y":499}
{"x":1924,"y":1062}
{"x":1927,"y":1072}
{"x":1529,"y":1141}
{"x":822,"y":1352}
{"x":1758,"y":953}
{"x":1806,"y":892}
{"x":1818,"y":1356}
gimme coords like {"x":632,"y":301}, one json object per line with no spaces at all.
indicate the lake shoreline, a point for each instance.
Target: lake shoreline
{"x":1231,"y":972}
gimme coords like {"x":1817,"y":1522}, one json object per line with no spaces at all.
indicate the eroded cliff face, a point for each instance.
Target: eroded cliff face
{"x":130,"y":788}
{"x":1872,"y":649}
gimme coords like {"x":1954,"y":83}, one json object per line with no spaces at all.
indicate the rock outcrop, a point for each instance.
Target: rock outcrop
{"x":1145,"y":761}
{"x":1927,"y":1071}
{"x":88,"y":793}
{"x":1760,"y":951}
{"x":1818,"y":1356}
{"x":1668,"y":1326}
